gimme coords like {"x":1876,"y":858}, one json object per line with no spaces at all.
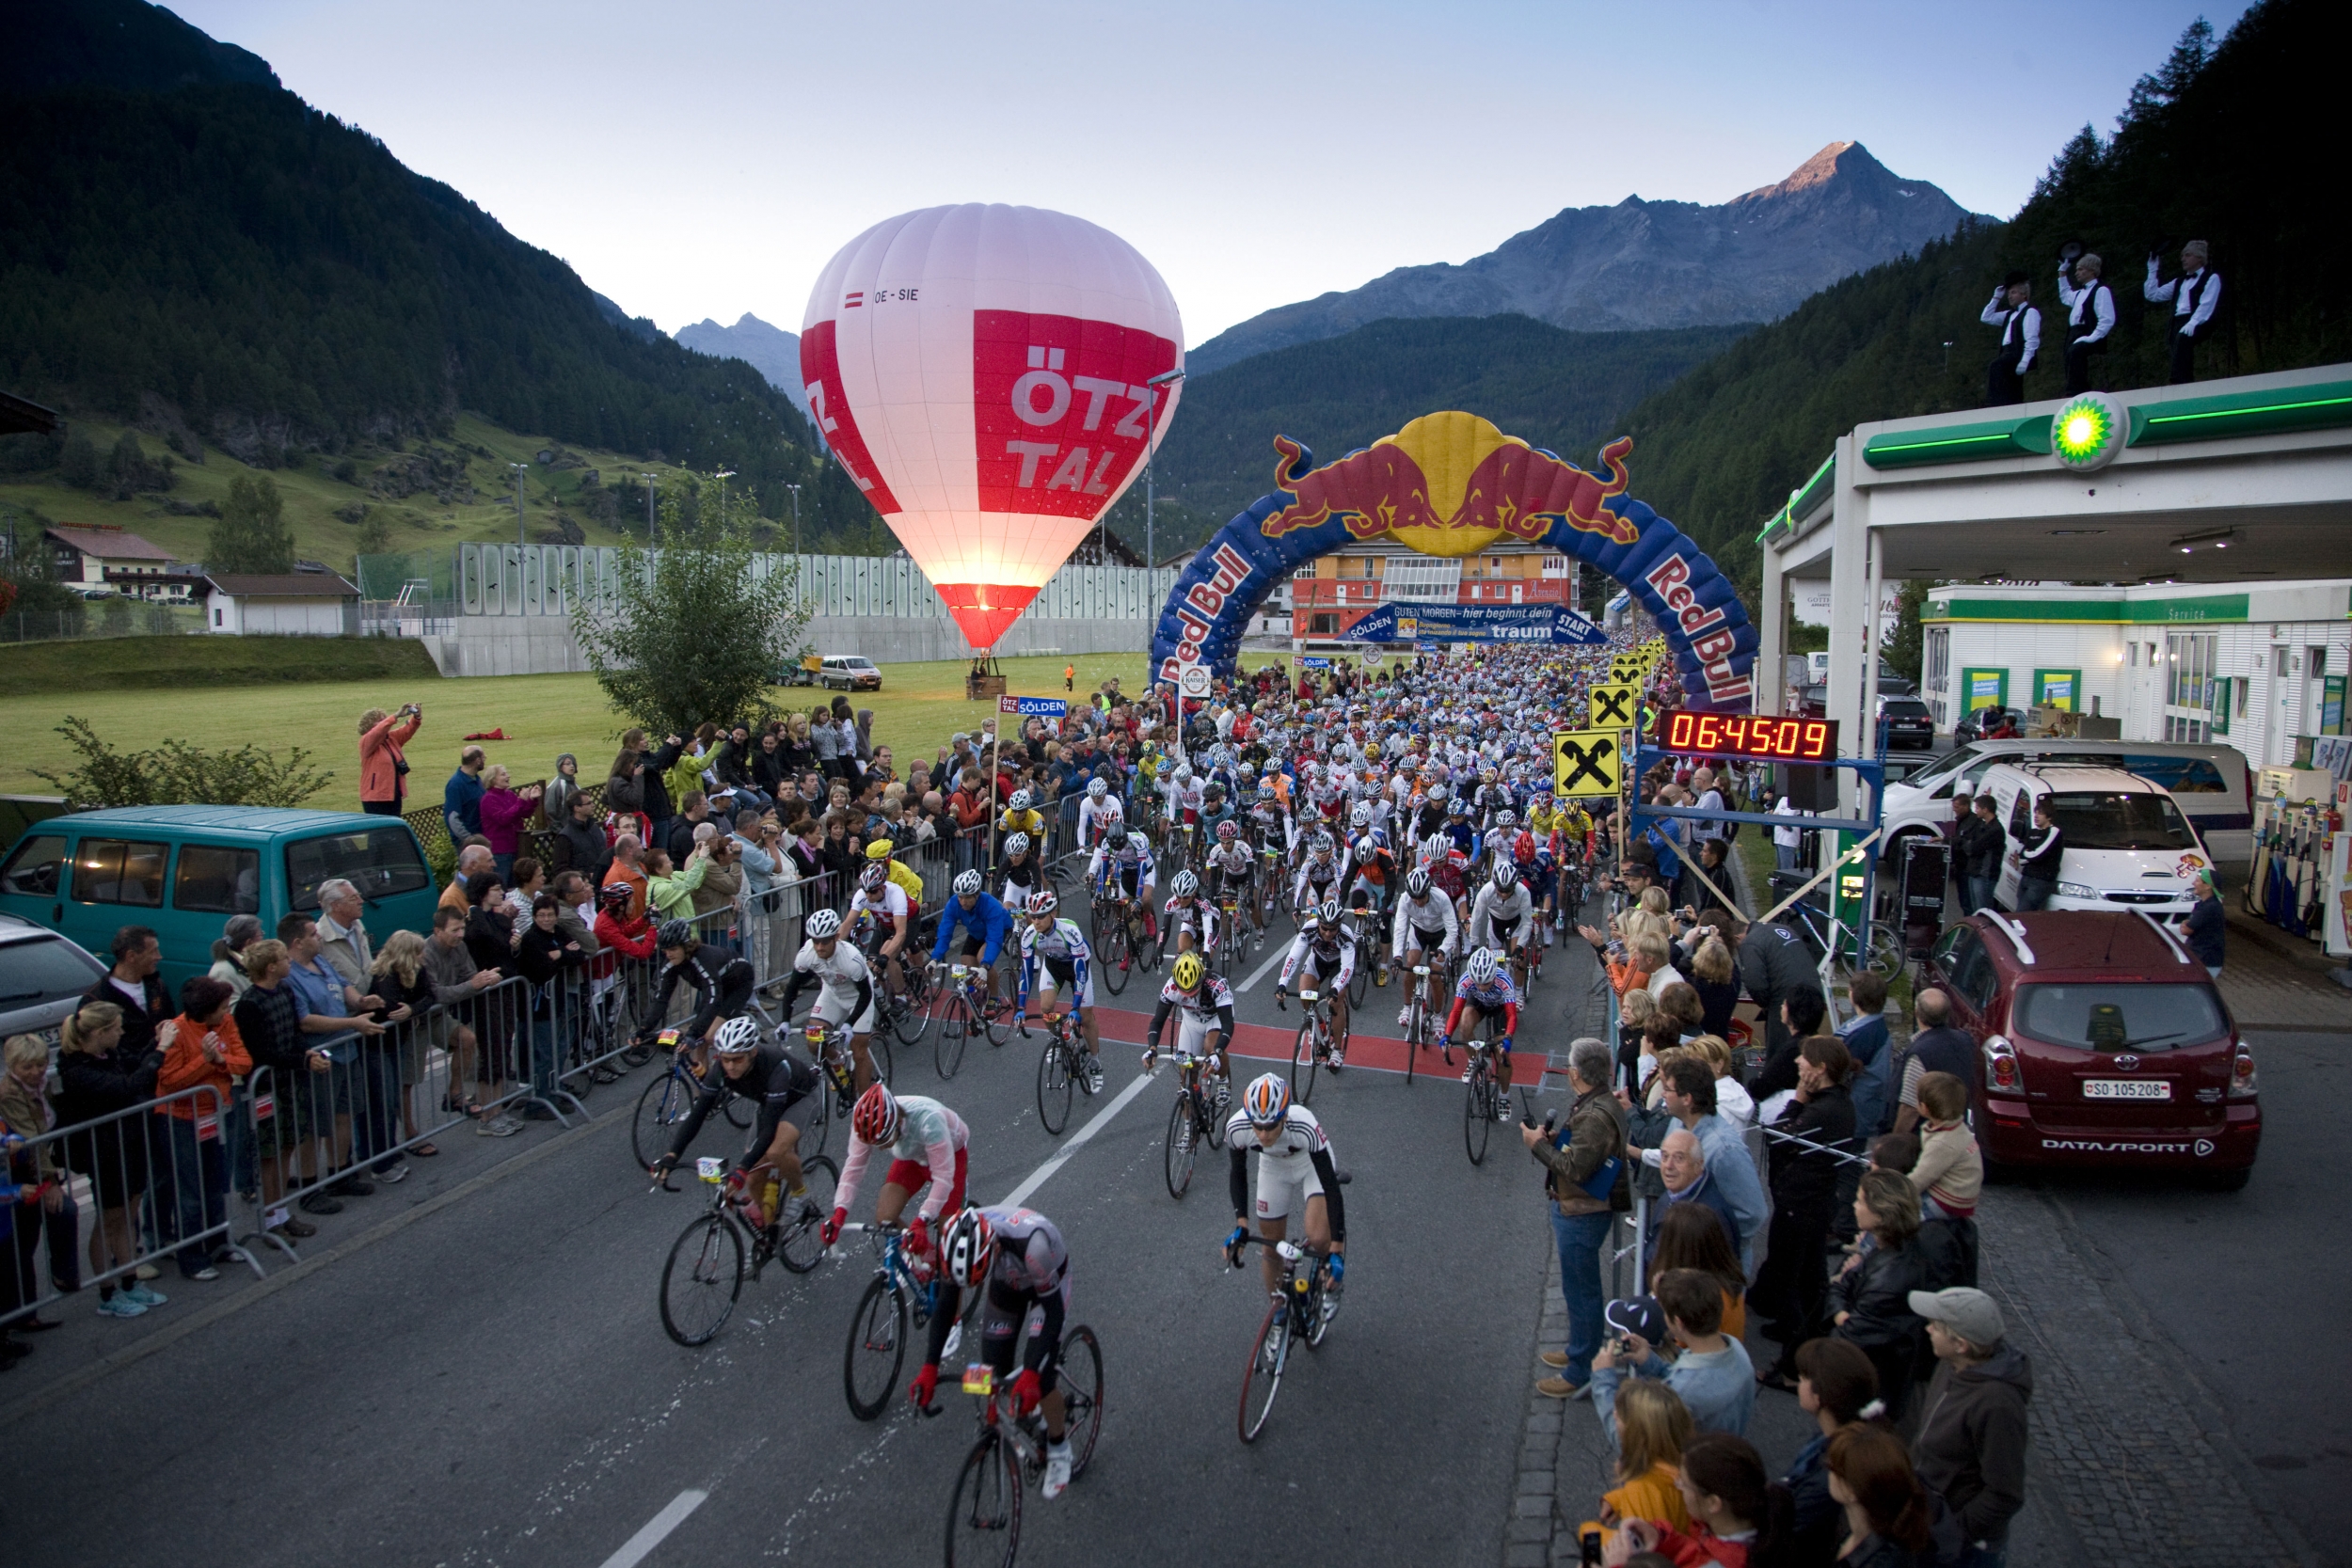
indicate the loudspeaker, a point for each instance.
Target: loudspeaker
{"x":1809,"y":786}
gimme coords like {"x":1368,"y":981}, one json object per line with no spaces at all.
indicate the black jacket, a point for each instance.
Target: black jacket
{"x":1971,"y":1448}
{"x":1877,"y":1295}
{"x":658,"y":766}
{"x":91,"y":1086}
{"x":1807,"y":1177}
{"x":139,"y":1021}
{"x":1980,"y":846}
{"x":1773,"y":961}
{"x":580,"y":846}
{"x":2045,"y":851}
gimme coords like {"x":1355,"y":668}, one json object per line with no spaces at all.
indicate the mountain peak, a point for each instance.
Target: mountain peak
{"x":771,"y":350}
{"x":1838,"y":157}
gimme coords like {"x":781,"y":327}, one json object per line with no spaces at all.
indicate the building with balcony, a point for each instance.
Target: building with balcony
{"x":1327,"y":596}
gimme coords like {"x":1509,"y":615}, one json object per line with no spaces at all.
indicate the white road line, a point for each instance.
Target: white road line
{"x":1038,"y":1177}
{"x":657,"y":1529}
{"x":1272,"y":959}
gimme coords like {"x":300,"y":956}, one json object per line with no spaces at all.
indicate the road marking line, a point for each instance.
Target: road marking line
{"x":1038,"y":1177}
{"x":1272,"y":959}
{"x":658,"y":1529}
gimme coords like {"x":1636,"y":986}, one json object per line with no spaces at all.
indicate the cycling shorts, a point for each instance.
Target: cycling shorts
{"x":1427,"y":940}
{"x":1505,"y":931}
{"x":1473,"y":1016}
{"x":1049,"y":988}
{"x":913,"y":1176}
{"x":1192,"y":1033}
{"x":1001,"y":1321}
{"x":1284,"y":1186}
{"x":836,"y":1011}
{"x":1310,"y":967}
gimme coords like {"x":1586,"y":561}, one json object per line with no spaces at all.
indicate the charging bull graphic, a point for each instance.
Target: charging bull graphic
{"x":1451,"y":485}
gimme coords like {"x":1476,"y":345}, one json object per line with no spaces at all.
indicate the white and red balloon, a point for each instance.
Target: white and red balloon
{"x":981,"y":371}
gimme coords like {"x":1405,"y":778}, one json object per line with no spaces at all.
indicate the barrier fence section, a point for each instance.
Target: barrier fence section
{"x":133,"y":1187}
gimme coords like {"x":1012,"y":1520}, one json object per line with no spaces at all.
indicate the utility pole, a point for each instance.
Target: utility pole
{"x":648,"y":479}
{"x":519,"y":469}
{"x":1150,"y":449}
{"x":723,"y":476}
{"x":796,"y":517}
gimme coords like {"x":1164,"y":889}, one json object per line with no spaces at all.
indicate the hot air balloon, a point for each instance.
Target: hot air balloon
{"x":983,"y":371}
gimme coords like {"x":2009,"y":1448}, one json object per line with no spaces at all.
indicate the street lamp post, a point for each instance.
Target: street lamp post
{"x":649,"y":480}
{"x":521,"y":469}
{"x":796,"y":517}
{"x":1150,"y":449}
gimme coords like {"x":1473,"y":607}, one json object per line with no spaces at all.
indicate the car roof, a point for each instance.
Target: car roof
{"x":2074,"y":944}
{"x":254,"y":822}
{"x":2072,"y":777}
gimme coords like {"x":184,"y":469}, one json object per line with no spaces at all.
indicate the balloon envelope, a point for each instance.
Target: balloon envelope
{"x":981,"y":373}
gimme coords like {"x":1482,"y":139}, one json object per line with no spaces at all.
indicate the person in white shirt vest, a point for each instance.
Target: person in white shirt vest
{"x":2195,"y":295}
{"x":2021,"y":340}
{"x":2089,"y":318}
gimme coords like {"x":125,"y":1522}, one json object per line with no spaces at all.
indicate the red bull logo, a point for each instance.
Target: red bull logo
{"x":1449,"y":484}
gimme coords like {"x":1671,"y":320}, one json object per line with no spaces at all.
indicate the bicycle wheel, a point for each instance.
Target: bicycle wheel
{"x":1053,"y":1086}
{"x":876,"y":1348}
{"x":1416,"y":1026}
{"x":998,"y":1023}
{"x":661,"y":1105}
{"x":1263,"y":1378}
{"x":1324,"y":1307}
{"x":912,"y":1019}
{"x":1184,"y":1145}
{"x":801,"y":1243}
{"x":948,"y":1047}
{"x":1303,"y":1056}
{"x":1478,"y":1112}
{"x":1360,"y":985}
{"x":701,"y":1278}
{"x":878,"y":1050}
{"x":1082,"y":1395}
{"x":1112,"y":956}
{"x":821,"y":1125}
{"x":984,"y":1512}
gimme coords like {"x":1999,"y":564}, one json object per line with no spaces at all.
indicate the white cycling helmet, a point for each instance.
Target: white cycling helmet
{"x":1020,"y":801}
{"x":1360,"y":816}
{"x":737,"y":1037}
{"x":1016,"y":843}
{"x":1098,"y":788}
{"x":1417,"y":883}
{"x":822,"y":924}
{"x":1186,"y":884}
{"x":1481,"y":968}
{"x":1112,"y":810}
{"x":967,"y":884}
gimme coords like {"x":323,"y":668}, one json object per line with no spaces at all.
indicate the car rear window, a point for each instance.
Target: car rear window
{"x":2110,"y":1016}
{"x":379,"y":861}
{"x":2119,"y":819}
{"x":35,"y":972}
{"x":1906,"y":707}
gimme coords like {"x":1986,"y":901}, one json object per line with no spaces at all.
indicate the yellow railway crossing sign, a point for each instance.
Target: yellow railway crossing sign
{"x":1614,"y":706}
{"x":1586,"y":762}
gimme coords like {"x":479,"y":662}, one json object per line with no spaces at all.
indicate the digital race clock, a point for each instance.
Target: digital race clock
{"x":1740,"y":735}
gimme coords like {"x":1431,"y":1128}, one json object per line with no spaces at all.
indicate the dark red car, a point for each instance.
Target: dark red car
{"x":2101,"y":1041}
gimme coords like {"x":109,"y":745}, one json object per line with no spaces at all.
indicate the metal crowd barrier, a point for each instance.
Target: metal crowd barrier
{"x":149,"y":1182}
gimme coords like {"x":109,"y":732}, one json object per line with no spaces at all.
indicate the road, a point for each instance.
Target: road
{"x":491,"y":1384}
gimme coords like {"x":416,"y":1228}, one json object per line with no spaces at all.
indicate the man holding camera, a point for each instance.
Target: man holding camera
{"x":2021,"y":340}
{"x":2090,"y":317}
{"x":2194,"y":296}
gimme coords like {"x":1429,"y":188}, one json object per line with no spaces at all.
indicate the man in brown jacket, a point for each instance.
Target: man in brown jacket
{"x":1590,"y":1157}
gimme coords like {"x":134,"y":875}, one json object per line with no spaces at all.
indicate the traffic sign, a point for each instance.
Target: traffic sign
{"x":1193,"y":680}
{"x":1586,"y":762}
{"x":1033,"y":707}
{"x":1614,"y":707}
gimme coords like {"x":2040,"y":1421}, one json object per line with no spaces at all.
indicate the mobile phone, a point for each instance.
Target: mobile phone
{"x":1588,"y":1548}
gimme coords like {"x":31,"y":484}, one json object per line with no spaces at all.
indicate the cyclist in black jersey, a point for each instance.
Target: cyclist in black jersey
{"x":719,"y":976}
{"x":785,"y":1088}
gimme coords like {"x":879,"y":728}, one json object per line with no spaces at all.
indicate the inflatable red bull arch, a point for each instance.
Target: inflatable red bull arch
{"x":1451,"y":485}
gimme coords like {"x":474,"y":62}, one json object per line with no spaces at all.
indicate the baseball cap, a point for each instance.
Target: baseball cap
{"x":1969,"y":1313}
{"x":1639,"y":1315}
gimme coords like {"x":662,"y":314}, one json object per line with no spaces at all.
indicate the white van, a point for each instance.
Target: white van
{"x":2212,"y":785}
{"x":2127,"y":843}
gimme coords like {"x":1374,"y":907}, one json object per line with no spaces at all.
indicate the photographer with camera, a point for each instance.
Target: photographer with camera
{"x":2194,"y":296}
{"x":383,"y":769}
{"x":2089,"y":314}
{"x":2021,"y":340}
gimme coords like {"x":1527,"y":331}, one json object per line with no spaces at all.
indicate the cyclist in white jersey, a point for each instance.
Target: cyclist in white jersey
{"x":1057,"y":964}
{"x":844,"y":983}
{"x":1427,"y":929}
{"x":1231,"y":865}
{"x":1502,"y":915}
{"x":1323,"y":953}
{"x":1204,"y":1004}
{"x":1294,"y":1177}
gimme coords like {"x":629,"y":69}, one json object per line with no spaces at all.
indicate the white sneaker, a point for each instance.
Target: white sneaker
{"x":1465,"y":1072}
{"x":1056,"y":1470}
{"x":1405,"y":1015}
{"x":1094,"y":1076}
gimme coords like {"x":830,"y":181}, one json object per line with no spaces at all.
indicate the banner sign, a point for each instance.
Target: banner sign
{"x":1515,"y":623}
{"x":1034,"y":707}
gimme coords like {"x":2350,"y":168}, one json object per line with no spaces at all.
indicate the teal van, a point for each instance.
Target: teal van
{"x":184,"y":870}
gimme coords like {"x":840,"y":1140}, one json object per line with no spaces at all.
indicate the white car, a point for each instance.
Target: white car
{"x":2209,"y":782}
{"x":2128,"y":847}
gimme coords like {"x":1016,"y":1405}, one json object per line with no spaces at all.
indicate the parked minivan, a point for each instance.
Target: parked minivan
{"x":2127,"y":841}
{"x":184,"y":870}
{"x":2211,"y":783}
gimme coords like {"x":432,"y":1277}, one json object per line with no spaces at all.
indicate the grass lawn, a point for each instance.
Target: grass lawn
{"x":919,"y":706}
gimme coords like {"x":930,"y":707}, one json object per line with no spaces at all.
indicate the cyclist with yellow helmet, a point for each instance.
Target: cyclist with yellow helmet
{"x":1206,"y":1003}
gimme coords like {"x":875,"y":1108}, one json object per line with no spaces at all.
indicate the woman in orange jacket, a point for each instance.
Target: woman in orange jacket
{"x":200,"y":1046}
{"x":383,"y":770}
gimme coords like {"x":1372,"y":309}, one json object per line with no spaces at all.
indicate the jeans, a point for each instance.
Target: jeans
{"x":2034,"y":893}
{"x":375,"y":1116}
{"x":1785,"y":856}
{"x":1976,"y":893}
{"x":1580,"y":1239}
{"x":200,"y":1179}
{"x":1977,"y":1555}
{"x":542,"y":1050}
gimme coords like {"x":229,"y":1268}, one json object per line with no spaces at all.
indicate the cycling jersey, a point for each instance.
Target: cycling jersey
{"x":933,"y":1141}
{"x":1295,"y":1166}
{"x":1232,"y":861}
{"x":1498,"y":996}
{"x":1183,"y":800}
{"x":722,"y":983}
{"x":1096,"y":818}
{"x":1030,"y":1268}
{"x":986,"y":925}
{"x":1316,"y":880}
{"x":890,"y":906}
{"x":1208,"y":1008}
{"x":1030,"y":822}
{"x":1136,"y":867}
{"x":1061,"y":953}
{"x":1428,"y":924}
{"x":1494,"y":922}
{"x":1338,"y":967}
{"x":1022,"y":878}
{"x":845,"y":985}
{"x":779,"y":1081}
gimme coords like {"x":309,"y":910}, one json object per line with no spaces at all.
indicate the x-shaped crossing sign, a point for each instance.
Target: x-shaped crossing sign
{"x":1613,"y":706}
{"x":1586,"y":762}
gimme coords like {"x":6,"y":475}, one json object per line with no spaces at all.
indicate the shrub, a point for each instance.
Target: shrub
{"x":177,"y":775}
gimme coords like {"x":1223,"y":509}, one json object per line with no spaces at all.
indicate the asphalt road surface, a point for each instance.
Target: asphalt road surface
{"x":491,"y":1384}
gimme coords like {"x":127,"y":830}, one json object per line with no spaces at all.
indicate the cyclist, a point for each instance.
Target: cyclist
{"x":1459,"y":832}
{"x":1485,"y":992}
{"x":1427,"y":932}
{"x":1023,"y":871}
{"x":1188,"y":917}
{"x":926,"y":1145}
{"x":1445,"y":873}
{"x":1326,"y":952}
{"x":721,"y":978}
{"x":902,"y":876}
{"x":1021,"y":1259}
{"x":844,"y":983}
{"x":1503,"y":916}
{"x":1232,"y":868}
{"x":1126,"y":864}
{"x":1294,"y":1176}
{"x":881,"y":909}
{"x":1184,"y":796}
{"x":1207,"y":1002}
{"x":1215,"y":810}
{"x":787,"y":1089}
{"x":1319,"y":876}
{"x":1100,"y":815}
{"x":1270,"y":820}
{"x":1056,"y":962}
{"x":1020,"y":815}
{"x":985,"y":923}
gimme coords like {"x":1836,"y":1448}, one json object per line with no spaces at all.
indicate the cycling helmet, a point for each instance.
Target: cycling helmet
{"x":1139,"y":843}
{"x":737,"y":1037}
{"x":874,"y":878}
{"x":1044,"y":901}
{"x":1360,"y":816}
{"x":1016,"y":843}
{"x":1506,"y":818}
{"x":1184,"y":774}
{"x":1436,"y":844}
{"x":1097,"y":788}
{"x":968,"y":883}
{"x":878,"y":850}
{"x":673,"y":934}
{"x":1481,"y":968}
{"x":1112,"y":809}
{"x":1329,"y":914}
{"x":967,"y":1244}
{"x":1184,"y":885}
{"x":1322,"y":845}
{"x":615,"y":895}
{"x":1268,"y":1100}
{"x":1020,"y":801}
{"x":1507,"y":877}
{"x":1417,"y":883}
{"x":1227,"y":832}
{"x":822,"y":924}
{"x":1266,"y":793}
{"x":877,"y":1118}
{"x":1188,"y":971}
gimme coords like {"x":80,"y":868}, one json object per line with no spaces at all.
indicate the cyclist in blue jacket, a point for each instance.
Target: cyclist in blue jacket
{"x":985,"y":921}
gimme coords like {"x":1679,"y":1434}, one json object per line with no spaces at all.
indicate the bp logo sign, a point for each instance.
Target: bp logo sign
{"x":2088,"y":432}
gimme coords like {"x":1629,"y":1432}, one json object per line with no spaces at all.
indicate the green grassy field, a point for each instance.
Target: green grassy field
{"x":144,"y":663}
{"x":919,"y":706}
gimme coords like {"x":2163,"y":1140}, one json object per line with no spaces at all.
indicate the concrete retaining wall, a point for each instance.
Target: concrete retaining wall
{"x":543,"y":645}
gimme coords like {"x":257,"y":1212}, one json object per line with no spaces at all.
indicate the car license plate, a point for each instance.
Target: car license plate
{"x":2125,"y":1088}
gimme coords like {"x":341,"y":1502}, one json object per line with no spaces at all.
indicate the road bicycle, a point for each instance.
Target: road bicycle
{"x":704,"y":1274}
{"x":1060,"y":1066}
{"x":965,"y":1009}
{"x":1114,"y":934}
{"x":895,"y":1302}
{"x":667,"y":1099}
{"x":1364,"y":925}
{"x":1485,"y":1100}
{"x":1420,"y":1028}
{"x":984,"y":1511}
{"x":1835,"y":940}
{"x":1270,"y":879}
{"x":1312,"y":1047}
{"x":1232,"y":930}
{"x":906,"y":1014}
{"x":829,"y":1044}
{"x":1300,"y":1313}
{"x":1193,"y":1122}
